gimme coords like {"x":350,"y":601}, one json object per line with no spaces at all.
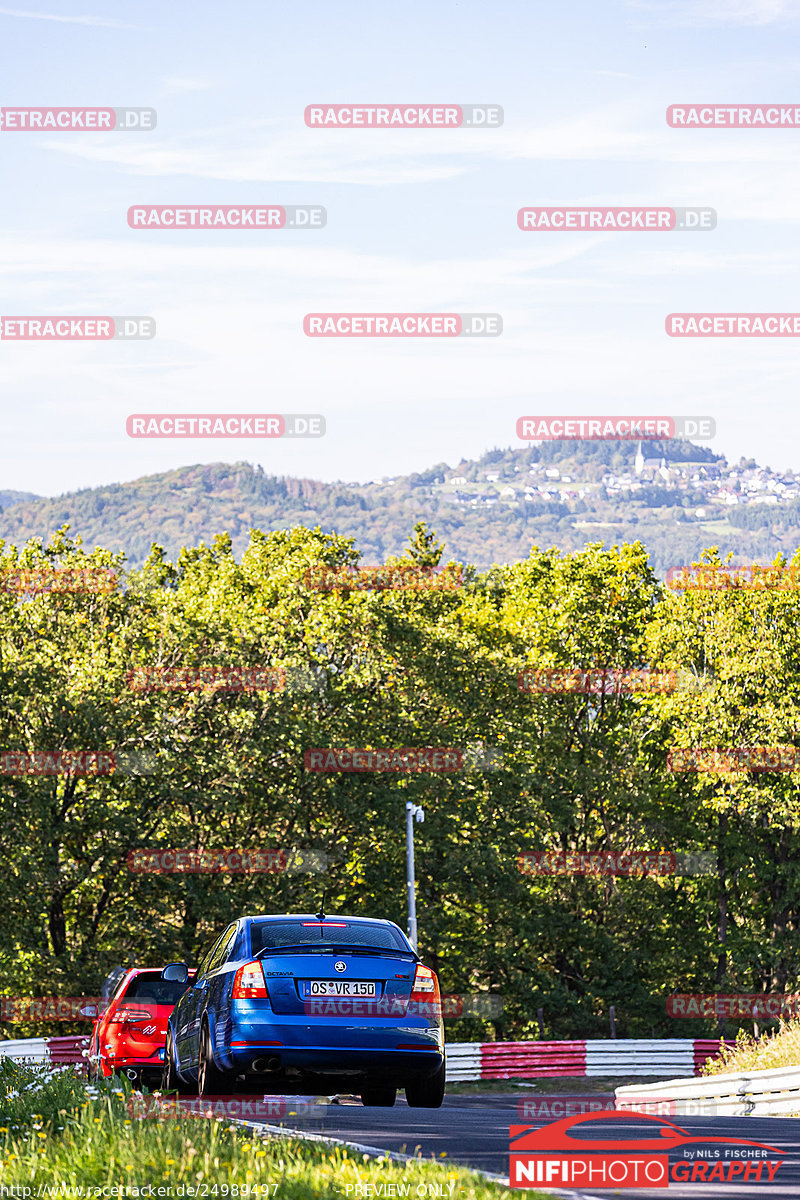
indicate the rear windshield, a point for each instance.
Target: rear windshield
{"x":272,"y":935}
{"x":154,"y":990}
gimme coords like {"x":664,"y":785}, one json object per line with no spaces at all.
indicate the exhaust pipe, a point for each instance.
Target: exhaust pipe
{"x":266,"y":1064}
{"x":131,"y":1074}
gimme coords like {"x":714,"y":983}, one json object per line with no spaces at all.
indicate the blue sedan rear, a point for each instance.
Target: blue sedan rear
{"x":312,"y":1004}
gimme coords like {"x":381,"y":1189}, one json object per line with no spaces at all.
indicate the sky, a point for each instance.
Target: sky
{"x":417,"y":221}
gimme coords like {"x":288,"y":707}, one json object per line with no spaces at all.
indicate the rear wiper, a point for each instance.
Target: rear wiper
{"x":334,"y":947}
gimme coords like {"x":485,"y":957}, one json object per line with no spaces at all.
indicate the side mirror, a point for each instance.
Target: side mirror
{"x":175,"y":973}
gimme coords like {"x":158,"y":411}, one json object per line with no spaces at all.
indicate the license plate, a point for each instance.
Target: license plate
{"x":336,"y":987}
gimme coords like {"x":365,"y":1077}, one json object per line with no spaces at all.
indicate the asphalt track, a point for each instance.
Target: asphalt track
{"x":473,"y":1131}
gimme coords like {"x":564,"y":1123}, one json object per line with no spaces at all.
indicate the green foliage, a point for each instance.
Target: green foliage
{"x":95,"y":1143}
{"x":35,"y":1098}
{"x":779,"y":1048}
{"x":390,"y":669}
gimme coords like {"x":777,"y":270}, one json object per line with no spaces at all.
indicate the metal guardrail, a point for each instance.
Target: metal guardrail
{"x":30,"y":1049}
{"x":534,"y":1060}
{"x":58,"y":1051}
{"x":771,"y":1093}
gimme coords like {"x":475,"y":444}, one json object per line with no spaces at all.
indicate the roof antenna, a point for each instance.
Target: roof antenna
{"x":321,"y":913}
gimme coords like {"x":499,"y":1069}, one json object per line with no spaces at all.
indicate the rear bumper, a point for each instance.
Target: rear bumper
{"x":109,"y":1063}
{"x":333,"y":1047}
{"x":321,"y":1060}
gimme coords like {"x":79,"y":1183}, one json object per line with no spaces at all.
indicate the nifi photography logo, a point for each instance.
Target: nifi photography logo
{"x":646,"y":1152}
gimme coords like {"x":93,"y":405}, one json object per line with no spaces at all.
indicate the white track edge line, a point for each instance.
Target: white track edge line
{"x":394,"y":1155}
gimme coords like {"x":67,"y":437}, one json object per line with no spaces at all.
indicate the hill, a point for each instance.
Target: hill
{"x":674,"y":496}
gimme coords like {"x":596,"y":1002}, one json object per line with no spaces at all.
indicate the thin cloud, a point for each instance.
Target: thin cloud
{"x":719,"y":12}
{"x":79,"y":20}
{"x":180,"y":83}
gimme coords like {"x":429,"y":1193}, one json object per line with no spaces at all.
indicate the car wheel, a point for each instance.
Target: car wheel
{"x":210,"y":1080}
{"x":170,"y":1079}
{"x":379,"y":1097}
{"x":427,"y":1092}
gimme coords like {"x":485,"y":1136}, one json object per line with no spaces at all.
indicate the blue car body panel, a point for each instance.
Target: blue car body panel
{"x":378,"y":1035}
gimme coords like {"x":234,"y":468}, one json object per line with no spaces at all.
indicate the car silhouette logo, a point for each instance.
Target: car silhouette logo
{"x":340,"y":966}
{"x":556,"y":1137}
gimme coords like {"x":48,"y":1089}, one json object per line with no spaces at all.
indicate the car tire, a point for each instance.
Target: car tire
{"x":210,"y":1080}
{"x":427,"y":1092}
{"x":170,"y":1079}
{"x":379,"y":1097}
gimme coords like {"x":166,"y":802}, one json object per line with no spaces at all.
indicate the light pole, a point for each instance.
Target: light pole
{"x":413,"y":811}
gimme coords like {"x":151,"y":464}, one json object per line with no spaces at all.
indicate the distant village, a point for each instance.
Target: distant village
{"x":718,"y":483}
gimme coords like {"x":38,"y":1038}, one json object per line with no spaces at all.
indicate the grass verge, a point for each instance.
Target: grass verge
{"x":77,"y":1140}
{"x":778,"y":1049}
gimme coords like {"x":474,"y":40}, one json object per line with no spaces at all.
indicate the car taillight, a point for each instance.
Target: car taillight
{"x":129,"y":1015}
{"x":425,"y":991}
{"x":249,"y":984}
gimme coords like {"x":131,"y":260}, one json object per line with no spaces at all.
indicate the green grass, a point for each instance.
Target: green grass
{"x":718,"y":528}
{"x":92,"y":1141}
{"x":778,"y":1049}
{"x":36,"y":1095}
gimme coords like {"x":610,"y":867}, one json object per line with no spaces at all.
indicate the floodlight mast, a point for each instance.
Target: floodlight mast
{"x":413,"y":811}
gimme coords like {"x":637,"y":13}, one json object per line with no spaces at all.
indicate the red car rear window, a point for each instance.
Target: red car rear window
{"x":153,"y":989}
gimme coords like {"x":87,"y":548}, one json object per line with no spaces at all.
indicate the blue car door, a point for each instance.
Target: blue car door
{"x":188,"y":1012}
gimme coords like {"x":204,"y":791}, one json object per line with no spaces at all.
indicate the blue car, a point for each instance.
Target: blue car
{"x":314,"y":1004}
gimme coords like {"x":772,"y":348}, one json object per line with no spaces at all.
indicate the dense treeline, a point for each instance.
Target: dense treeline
{"x":189,"y":504}
{"x":404,"y":668}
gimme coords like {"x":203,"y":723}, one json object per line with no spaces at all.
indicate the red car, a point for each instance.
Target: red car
{"x":129,"y":1037}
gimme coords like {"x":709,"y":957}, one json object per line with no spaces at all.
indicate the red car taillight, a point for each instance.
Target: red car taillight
{"x":425,"y":992}
{"x":129,"y":1016}
{"x":249,"y":983}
